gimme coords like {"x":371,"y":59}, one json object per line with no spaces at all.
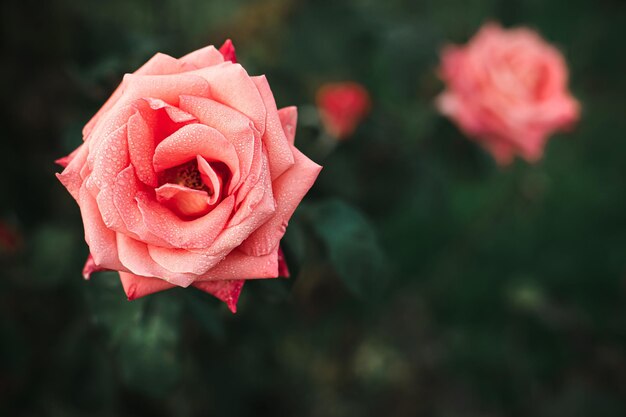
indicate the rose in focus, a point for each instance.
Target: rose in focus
{"x":342,"y":107}
{"x":507,"y":89}
{"x":188,"y":176}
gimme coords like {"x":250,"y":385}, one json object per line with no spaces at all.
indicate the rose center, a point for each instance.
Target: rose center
{"x":188,"y":175}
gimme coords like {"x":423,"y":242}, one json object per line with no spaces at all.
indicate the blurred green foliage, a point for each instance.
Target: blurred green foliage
{"x":426,"y":280}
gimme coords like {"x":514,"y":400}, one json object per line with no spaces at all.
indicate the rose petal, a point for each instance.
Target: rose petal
{"x":64,"y":161}
{"x":141,"y":148}
{"x":255,"y":209}
{"x":210,"y":179}
{"x":182,"y":261}
{"x":258,"y":166}
{"x":163,"y":64}
{"x":90,"y":267}
{"x":283,"y":269}
{"x":239,"y":265}
{"x":289,"y":121}
{"x":197,"y":233}
{"x":159,"y":64}
{"x":110,"y":215}
{"x":71,"y":177}
{"x":289,"y":189}
{"x":136,"y":259}
{"x":227,"y":291}
{"x":109,"y":159}
{"x":234,"y":126}
{"x":204,"y":57}
{"x":126,"y":187}
{"x":101,"y":241}
{"x":184,"y":200}
{"x":231,"y":85}
{"x":274,"y":139}
{"x":146,"y":104}
{"x":192,"y":140}
{"x":163,"y":87}
{"x":108,"y":125}
{"x":136,"y":286}
{"x":228,"y":51}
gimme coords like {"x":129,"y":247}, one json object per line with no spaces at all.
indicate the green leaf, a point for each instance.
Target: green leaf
{"x":352,"y":245}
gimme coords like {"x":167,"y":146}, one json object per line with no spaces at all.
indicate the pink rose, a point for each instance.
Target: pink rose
{"x":342,"y":107}
{"x":507,"y":89}
{"x":188,"y":175}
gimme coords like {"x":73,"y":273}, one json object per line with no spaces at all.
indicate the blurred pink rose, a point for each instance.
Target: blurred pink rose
{"x":188,"y":175}
{"x":507,"y":89}
{"x":342,"y":107}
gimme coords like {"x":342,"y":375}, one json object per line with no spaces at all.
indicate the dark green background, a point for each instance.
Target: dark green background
{"x":427,"y":281}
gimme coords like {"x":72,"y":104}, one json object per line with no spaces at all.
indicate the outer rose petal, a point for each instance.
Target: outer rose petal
{"x":181,"y":261}
{"x":136,"y":286}
{"x":141,"y":148}
{"x":163,"y":64}
{"x":90,"y":267}
{"x":110,"y":158}
{"x":112,"y":121}
{"x":276,"y":143}
{"x":199,"y":233}
{"x":289,"y":121}
{"x":126,"y":188}
{"x":228,"y":51}
{"x":203,"y":58}
{"x":159,"y":64}
{"x":238,"y":264}
{"x":101,"y":240}
{"x":108,"y":210}
{"x":255,"y":210}
{"x":71,"y":177}
{"x":283,"y":269}
{"x":64,"y":161}
{"x":163,"y":87}
{"x":231,"y":85}
{"x":178,"y":266}
{"x":289,"y":189}
{"x":227,"y":291}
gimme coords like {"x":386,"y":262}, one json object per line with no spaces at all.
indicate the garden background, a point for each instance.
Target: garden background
{"x":425,"y":280}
